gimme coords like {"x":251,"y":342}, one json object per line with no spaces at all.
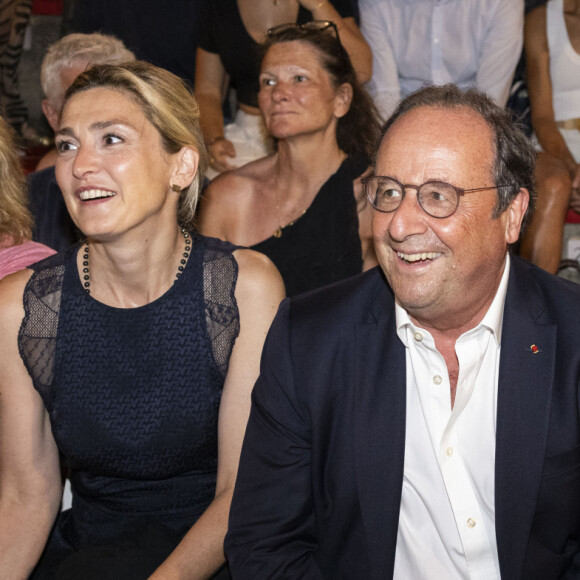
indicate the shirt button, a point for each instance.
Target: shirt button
{"x":471,"y":523}
{"x":449,"y":451}
{"x":437,"y":379}
{"x":418,"y":336}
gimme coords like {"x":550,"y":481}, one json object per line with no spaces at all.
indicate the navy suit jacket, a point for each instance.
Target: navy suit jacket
{"x":319,"y":486}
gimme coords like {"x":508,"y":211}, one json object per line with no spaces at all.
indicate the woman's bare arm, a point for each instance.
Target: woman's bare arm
{"x":350,"y":36}
{"x":30,"y":479}
{"x":210,"y":77}
{"x":259,"y":291}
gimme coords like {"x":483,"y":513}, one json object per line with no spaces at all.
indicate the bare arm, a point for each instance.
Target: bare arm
{"x":350,"y":36}
{"x":210,"y":77}
{"x":540,"y":91}
{"x":259,"y":291}
{"x":30,"y":480}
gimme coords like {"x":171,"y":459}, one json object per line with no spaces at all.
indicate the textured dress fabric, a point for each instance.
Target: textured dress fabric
{"x":323,"y":245}
{"x":564,"y":74}
{"x":133,"y":397}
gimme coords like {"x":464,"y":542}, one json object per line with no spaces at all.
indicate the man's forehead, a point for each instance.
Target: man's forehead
{"x":432,"y":127}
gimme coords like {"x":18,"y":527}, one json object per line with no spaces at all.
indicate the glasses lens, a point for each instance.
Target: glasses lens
{"x":438,"y":199}
{"x":385,"y":194}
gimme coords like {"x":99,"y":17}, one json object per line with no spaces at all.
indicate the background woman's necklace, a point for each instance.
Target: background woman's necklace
{"x":180,"y":269}
{"x":280,"y":229}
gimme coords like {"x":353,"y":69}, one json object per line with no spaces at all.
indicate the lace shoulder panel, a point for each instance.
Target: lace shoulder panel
{"x":37,"y":334}
{"x":220,"y":274}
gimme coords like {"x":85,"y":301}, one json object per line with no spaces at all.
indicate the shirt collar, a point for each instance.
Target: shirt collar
{"x":492,"y":320}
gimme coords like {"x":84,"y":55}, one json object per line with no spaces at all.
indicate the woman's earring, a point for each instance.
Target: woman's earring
{"x":176,"y":188}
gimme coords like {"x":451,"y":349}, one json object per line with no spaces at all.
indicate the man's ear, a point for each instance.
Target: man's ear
{"x":186,"y":163}
{"x":51,"y":113}
{"x":515,"y":215}
{"x":343,"y":100}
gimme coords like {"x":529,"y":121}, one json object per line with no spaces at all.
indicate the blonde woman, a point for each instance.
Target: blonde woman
{"x":17,"y":251}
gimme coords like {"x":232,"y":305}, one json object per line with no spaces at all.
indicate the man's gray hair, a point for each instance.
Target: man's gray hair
{"x":515,"y":158}
{"x":74,"y":49}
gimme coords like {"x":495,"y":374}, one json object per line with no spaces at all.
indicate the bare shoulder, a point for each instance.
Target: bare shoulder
{"x":11,"y":294}
{"x":259,"y":281}
{"x":242,"y":181}
{"x":233,"y":189}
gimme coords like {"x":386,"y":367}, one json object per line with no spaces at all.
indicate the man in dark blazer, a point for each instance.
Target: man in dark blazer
{"x":351,"y":467}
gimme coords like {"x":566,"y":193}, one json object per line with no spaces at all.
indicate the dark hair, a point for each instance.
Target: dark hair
{"x":358,"y":130}
{"x":515,"y":158}
{"x":167,"y":103}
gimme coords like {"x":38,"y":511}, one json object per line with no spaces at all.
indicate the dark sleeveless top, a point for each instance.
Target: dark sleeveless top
{"x":133,"y":397}
{"x":323,"y":245}
{"x":223,"y":33}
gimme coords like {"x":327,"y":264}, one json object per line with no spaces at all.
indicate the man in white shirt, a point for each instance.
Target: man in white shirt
{"x":472,"y":43}
{"x":422,"y":420}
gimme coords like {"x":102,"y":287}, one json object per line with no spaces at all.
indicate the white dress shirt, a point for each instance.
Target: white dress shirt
{"x":447,"y":517}
{"x":472,"y":43}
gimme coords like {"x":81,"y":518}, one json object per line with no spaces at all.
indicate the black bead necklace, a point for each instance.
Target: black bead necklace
{"x":180,"y":269}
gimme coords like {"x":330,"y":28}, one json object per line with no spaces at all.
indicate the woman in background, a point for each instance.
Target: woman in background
{"x":17,"y":251}
{"x":229,"y":49}
{"x":304,"y":206}
{"x":132,"y":355}
{"x":552,"y":44}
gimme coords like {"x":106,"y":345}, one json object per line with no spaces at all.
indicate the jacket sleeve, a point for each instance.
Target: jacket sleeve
{"x":272,"y":529}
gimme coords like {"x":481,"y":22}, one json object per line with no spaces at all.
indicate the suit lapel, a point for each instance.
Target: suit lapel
{"x":525,"y":387}
{"x":380,"y":431}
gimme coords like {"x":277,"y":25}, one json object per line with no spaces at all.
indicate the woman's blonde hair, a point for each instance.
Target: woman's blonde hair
{"x":167,"y":103}
{"x":15,"y":217}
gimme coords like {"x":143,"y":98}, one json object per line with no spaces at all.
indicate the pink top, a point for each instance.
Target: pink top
{"x":14,"y":258}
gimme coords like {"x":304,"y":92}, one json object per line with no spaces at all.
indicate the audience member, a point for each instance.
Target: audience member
{"x":472,"y":43}
{"x":17,"y":251}
{"x":229,"y":48}
{"x":303,"y":206}
{"x":132,"y":355}
{"x":63,"y":62}
{"x":421,"y":420}
{"x":552,"y":41}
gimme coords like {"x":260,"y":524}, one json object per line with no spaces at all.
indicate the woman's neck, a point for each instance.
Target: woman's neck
{"x":308,"y":161}
{"x":133,"y":270}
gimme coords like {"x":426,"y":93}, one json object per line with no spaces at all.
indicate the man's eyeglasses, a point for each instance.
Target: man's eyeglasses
{"x":312,"y":26}
{"x":436,"y":198}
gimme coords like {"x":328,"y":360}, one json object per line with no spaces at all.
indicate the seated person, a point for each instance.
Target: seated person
{"x":303,"y":206}
{"x":472,"y":43}
{"x":229,"y":50}
{"x":64,"y":61}
{"x":17,"y":250}
{"x":133,"y":355}
{"x":552,"y":43}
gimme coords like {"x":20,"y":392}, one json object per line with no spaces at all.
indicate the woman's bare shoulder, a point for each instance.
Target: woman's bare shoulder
{"x":242,"y":181}
{"x":258,"y":276}
{"x":11,"y":303}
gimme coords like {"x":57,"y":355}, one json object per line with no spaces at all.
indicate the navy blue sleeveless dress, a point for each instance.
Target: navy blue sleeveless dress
{"x":133,"y":397}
